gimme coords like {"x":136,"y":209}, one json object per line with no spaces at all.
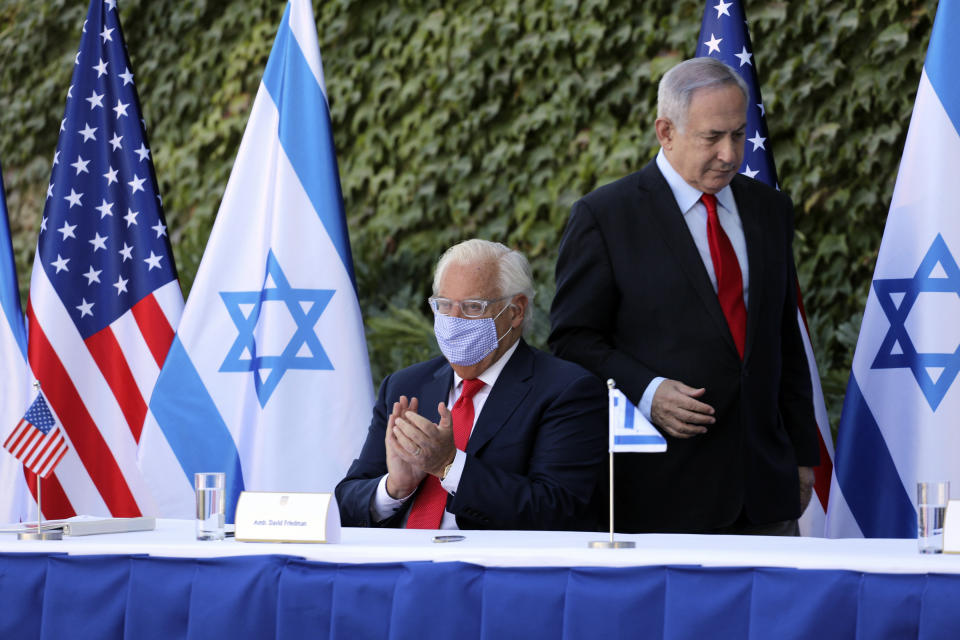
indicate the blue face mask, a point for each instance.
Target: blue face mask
{"x":466,"y":341}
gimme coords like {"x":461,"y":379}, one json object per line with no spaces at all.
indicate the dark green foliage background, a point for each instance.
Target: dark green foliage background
{"x":462,"y":119}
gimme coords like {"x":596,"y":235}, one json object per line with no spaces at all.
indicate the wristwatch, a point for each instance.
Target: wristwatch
{"x":446,"y":470}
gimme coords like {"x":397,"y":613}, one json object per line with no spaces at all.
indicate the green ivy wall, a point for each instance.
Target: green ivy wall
{"x":462,"y":119}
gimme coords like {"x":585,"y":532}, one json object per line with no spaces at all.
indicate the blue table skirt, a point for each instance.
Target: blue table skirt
{"x":57,"y":597}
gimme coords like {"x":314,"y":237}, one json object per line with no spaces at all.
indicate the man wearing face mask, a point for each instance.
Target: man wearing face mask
{"x":495,"y":434}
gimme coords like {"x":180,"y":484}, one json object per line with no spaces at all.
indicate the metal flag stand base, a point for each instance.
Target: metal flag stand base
{"x":611,"y":543}
{"x":39,"y":534}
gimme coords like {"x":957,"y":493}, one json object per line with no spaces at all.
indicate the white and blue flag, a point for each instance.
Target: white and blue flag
{"x":899,"y":422}
{"x":268,"y":377}
{"x":15,"y":501}
{"x":629,"y":430}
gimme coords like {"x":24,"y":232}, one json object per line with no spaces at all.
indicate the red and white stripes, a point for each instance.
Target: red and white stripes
{"x":100,"y":388}
{"x":813,"y":520}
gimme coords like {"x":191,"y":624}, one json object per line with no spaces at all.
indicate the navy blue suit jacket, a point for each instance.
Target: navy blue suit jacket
{"x":634,"y":301}
{"x":534,"y":458}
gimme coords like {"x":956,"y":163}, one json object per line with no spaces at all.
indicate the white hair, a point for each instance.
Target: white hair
{"x":678,"y":85}
{"x":515,"y":275}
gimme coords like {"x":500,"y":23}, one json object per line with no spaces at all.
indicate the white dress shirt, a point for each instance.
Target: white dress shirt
{"x":695,"y":215}
{"x":384,"y":506}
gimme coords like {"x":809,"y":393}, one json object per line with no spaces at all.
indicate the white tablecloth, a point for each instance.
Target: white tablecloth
{"x":175,"y":538}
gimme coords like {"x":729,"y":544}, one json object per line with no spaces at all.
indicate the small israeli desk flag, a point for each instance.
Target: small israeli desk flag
{"x":630,"y":431}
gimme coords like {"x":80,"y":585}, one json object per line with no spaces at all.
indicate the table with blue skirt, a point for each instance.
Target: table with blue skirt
{"x":493,"y":584}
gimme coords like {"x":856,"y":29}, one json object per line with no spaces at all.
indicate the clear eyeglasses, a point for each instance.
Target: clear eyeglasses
{"x":468,"y":308}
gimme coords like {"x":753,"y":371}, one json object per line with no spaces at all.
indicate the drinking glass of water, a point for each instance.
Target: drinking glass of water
{"x":211,"y":491}
{"x":932,"y":500}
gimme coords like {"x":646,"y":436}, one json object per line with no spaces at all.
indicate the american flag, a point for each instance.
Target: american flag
{"x":37,"y":441}
{"x":724,"y":35}
{"x":104,"y":296}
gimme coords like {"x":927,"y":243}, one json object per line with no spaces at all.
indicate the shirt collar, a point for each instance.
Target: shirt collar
{"x":685,"y":195}
{"x":491,"y":373}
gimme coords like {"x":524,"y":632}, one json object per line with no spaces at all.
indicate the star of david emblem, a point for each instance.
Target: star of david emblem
{"x":305,"y":307}
{"x":897,"y":351}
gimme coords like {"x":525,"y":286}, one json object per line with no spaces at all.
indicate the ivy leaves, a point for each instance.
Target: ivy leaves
{"x":460,"y":119}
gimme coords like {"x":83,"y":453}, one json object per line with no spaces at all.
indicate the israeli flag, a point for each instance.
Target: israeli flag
{"x":15,"y":501}
{"x":268,"y":378}
{"x":630,"y":431}
{"x":899,"y":422}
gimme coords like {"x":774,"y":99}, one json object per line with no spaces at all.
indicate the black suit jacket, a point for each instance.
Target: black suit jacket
{"x":534,"y":458}
{"x":634,"y":301}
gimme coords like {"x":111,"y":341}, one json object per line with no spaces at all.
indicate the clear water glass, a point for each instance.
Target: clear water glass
{"x":932,"y":498}
{"x":211,"y":494}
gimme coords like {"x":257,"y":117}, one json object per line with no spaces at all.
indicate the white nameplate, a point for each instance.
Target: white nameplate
{"x":266,"y":516}
{"x":951,"y":527}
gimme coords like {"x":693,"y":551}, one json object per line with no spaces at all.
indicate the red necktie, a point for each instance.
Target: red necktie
{"x":427,"y":510}
{"x":727,"y":270}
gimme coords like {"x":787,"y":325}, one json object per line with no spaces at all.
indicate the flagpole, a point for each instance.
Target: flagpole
{"x":611,"y":543}
{"x":39,"y":534}
{"x":611,"y":497}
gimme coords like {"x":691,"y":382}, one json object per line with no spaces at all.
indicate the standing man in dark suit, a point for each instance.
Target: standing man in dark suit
{"x":678,"y":281}
{"x":495,"y":434}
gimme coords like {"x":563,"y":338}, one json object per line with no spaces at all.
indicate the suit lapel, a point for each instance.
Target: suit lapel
{"x":677,"y":236}
{"x":436,"y":391}
{"x":750,"y":217}
{"x":508,"y":392}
